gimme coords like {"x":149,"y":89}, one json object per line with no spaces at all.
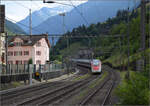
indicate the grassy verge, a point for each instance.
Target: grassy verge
{"x":134,"y":91}
{"x":121,"y":59}
{"x":81,"y":77}
{"x":10,"y":85}
{"x":92,"y":85}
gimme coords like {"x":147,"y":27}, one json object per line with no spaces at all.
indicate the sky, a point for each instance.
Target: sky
{"x":18,"y":10}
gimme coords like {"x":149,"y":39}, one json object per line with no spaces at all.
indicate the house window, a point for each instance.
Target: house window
{"x":18,"y":43}
{"x":20,"y":53}
{"x":38,"y":44}
{"x":18,"y":62}
{"x":38,"y":62}
{"x":38,"y":53}
{"x":26,"y":53}
{"x":10,"y":53}
{"x":16,"y":53}
{"x":25,"y":62}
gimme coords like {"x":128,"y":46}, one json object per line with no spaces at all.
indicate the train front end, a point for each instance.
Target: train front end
{"x":96,"y":66}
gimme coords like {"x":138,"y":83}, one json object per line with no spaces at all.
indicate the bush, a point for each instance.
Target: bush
{"x":30,"y":61}
{"x":134,"y":91}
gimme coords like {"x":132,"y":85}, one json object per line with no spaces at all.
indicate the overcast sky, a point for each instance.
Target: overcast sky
{"x":18,"y":10}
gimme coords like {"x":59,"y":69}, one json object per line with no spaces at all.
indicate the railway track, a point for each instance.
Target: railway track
{"x":101,"y":93}
{"x":46,"y":95}
{"x":18,"y":95}
{"x":51,"y":96}
{"x":15,"y":97}
{"x":12,"y":97}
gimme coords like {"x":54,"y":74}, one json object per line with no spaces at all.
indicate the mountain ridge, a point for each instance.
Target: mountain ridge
{"x":89,"y":10}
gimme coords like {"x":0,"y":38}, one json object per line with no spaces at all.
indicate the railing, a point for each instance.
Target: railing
{"x":15,"y":69}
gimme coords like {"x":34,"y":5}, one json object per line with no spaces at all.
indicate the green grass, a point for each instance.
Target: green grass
{"x":92,"y":85}
{"x":129,"y":91}
{"x":81,"y":77}
{"x":121,"y":59}
{"x":10,"y":85}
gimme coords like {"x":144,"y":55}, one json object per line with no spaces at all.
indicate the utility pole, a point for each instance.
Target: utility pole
{"x":52,"y":46}
{"x":143,"y":11}
{"x":30,"y":25}
{"x":3,"y":53}
{"x":63,"y":15}
{"x":6,"y":50}
{"x":30,"y":22}
{"x":2,"y":18}
{"x":128,"y":38}
{"x":67,"y":57}
{"x":142,"y":28}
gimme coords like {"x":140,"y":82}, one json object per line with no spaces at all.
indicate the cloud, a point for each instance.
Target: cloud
{"x":18,"y":10}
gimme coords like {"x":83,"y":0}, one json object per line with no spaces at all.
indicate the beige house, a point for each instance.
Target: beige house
{"x":2,"y":48}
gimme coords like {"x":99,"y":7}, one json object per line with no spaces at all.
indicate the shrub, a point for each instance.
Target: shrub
{"x":30,"y":61}
{"x":134,"y":91}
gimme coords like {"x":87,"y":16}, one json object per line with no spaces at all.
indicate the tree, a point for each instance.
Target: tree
{"x":30,"y":61}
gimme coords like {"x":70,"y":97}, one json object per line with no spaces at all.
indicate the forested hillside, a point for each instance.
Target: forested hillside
{"x":112,"y":50}
{"x":84,"y":14}
{"x":112,"y":27}
{"x":12,"y":28}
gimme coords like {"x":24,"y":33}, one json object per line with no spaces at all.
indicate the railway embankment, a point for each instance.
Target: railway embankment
{"x":138,"y":80}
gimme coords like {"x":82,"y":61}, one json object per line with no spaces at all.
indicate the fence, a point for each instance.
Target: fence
{"x":23,"y":72}
{"x":17,"y":69}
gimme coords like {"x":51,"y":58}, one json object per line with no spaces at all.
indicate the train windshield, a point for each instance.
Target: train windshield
{"x":96,"y":62}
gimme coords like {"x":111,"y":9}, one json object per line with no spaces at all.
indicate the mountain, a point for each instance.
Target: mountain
{"x":91,"y":11}
{"x":41,"y":15}
{"x":13,"y":28}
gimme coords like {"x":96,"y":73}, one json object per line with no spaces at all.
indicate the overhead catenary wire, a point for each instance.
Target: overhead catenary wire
{"x":21,"y":24}
{"x":48,"y":16}
{"x":61,"y":4}
{"x":36,"y":4}
{"x":81,"y":14}
{"x":28,"y":9}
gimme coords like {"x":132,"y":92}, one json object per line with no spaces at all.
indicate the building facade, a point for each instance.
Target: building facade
{"x":2,"y":48}
{"x":25,"y":48}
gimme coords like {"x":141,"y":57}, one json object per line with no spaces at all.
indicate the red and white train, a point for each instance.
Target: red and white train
{"x":94,"y":65}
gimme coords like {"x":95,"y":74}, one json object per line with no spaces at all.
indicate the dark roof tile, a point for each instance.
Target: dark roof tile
{"x":28,"y":40}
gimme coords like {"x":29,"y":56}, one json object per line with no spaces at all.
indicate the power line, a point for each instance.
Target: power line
{"x":22,"y":5}
{"x":29,"y":9}
{"x":41,"y":16}
{"x":21,"y":24}
{"x":86,"y":36}
{"x":79,"y":12}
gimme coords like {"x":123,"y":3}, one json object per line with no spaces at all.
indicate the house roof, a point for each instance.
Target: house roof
{"x":28,"y":40}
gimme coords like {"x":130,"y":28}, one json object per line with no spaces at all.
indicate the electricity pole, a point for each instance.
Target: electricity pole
{"x":52,"y":46}
{"x":67,"y":57}
{"x":30,"y":22}
{"x":30,"y":25}
{"x":142,"y":28}
{"x":63,"y":15}
{"x":128,"y":38}
{"x":6,"y":50}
